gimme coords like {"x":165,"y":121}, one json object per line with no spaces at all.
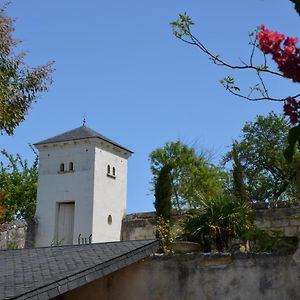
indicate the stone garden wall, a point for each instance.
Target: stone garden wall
{"x":17,"y":234}
{"x":283,"y":218}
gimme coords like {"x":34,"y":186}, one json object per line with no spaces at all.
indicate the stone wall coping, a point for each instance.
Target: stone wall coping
{"x":276,"y":208}
{"x":216,"y":256}
{"x":275,"y":205}
{"x":16,"y":224}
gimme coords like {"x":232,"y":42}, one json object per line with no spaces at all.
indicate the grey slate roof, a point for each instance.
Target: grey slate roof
{"x":82,"y":132}
{"x":43,"y":273}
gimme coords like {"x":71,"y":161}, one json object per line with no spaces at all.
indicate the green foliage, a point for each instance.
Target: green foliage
{"x":20,"y":84}
{"x":229,"y":84}
{"x":267,"y":174}
{"x":293,"y":143}
{"x":192,"y":176}
{"x":181,"y":27}
{"x":262,"y":241}
{"x":166,"y":237}
{"x":163,"y":193}
{"x":216,"y":222}
{"x":12,"y":245}
{"x":18,"y":187}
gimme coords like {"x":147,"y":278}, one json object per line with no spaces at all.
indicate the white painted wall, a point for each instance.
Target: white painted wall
{"x":95,"y":194}
{"x":109,"y":194}
{"x":55,"y":187}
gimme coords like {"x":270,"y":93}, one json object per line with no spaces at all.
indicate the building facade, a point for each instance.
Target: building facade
{"x":82,"y":188}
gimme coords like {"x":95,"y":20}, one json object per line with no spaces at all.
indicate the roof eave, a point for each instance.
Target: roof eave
{"x":80,"y":139}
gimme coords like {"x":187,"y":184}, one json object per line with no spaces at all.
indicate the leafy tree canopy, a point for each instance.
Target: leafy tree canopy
{"x":192,"y":176}
{"x":18,"y":187}
{"x":267,"y":174}
{"x":20,"y":84}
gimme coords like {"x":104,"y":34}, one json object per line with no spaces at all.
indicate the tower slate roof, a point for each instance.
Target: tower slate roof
{"x":82,"y":132}
{"x":44,"y":273}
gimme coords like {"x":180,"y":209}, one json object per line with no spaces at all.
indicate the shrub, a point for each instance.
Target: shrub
{"x":263,"y":241}
{"x":164,"y":232}
{"x":216,"y":222}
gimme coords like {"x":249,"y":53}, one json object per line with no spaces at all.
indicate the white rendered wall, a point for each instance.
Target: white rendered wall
{"x":110,"y":193}
{"x":55,"y":187}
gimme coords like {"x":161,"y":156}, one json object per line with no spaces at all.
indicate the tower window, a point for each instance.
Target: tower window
{"x":71,"y":166}
{"x":62,"y":167}
{"x":113,"y":174}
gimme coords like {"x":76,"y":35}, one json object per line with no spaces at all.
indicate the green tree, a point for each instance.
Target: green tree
{"x":20,"y":84}
{"x":192,"y":176}
{"x":267,"y":174}
{"x":163,"y":193}
{"x":18,"y":187}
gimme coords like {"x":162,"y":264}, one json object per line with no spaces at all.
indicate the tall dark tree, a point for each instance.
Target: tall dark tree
{"x":20,"y":85}
{"x":163,"y":193}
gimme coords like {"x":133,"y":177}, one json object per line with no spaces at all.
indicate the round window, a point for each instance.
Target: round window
{"x":109,"y":220}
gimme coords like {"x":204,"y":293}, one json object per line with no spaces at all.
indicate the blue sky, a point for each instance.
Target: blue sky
{"x":118,"y":63}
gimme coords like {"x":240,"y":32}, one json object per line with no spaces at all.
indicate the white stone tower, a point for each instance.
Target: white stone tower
{"x":82,"y":188}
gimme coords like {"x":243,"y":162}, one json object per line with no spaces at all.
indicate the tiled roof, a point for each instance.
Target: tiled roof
{"x":43,"y":273}
{"x":82,"y":132}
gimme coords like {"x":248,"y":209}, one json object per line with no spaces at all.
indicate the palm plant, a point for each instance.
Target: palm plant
{"x":217,"y":222}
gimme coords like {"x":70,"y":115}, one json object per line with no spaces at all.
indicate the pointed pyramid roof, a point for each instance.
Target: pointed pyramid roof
{"x":82,"y":132}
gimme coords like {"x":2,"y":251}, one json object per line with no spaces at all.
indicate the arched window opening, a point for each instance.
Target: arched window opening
{"x":114,"y":171}
{"x":62,"y":168}
{"x":108,"y":169}
{"x":71,"y":166}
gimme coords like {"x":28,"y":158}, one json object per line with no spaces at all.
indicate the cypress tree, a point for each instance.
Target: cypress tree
{"x":163,"y":193}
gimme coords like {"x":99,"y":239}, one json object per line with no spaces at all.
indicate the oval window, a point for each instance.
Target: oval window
{"x":109,"y":220}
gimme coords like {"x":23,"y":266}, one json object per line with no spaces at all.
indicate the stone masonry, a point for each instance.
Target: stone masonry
{"x":17,"y":234}
{"x":283,"y":218}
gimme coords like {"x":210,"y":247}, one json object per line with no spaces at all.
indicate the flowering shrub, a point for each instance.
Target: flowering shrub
{"x":283,"y":50}
{"x":291,"y":109}
{"x":287,"y":56}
